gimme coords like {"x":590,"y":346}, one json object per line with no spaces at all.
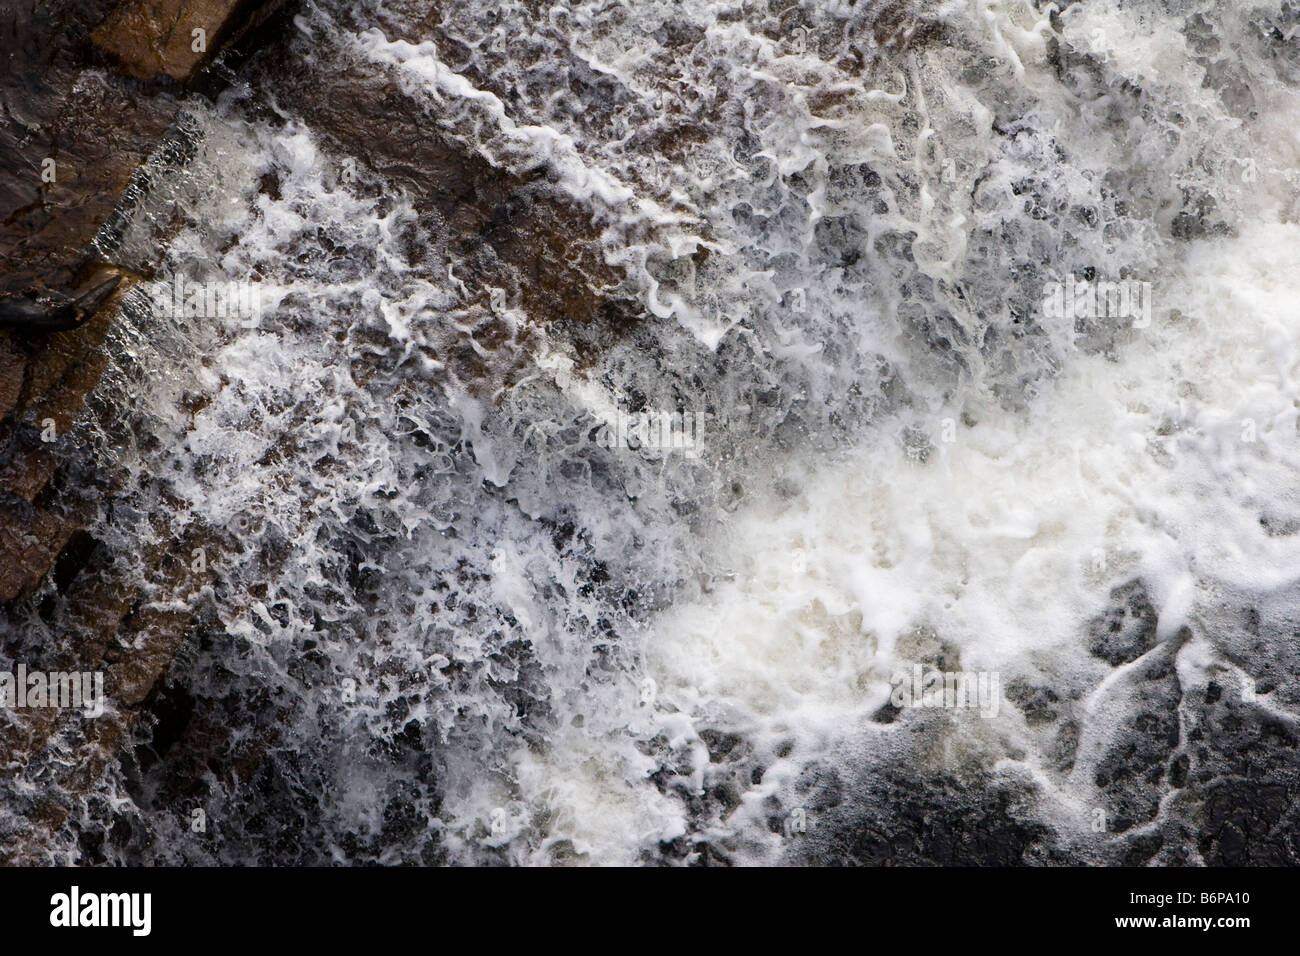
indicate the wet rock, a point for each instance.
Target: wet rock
{"x":721,"y":745}
{"x":30,"y":540}
{"x":1249,"y":824}
{"x":172,"y":38}
{"x":1064,"y":746}
{"x":74,"y":146}
{"x":1223,"y":766}
{"x":1038,"y":704}
{"x":74,"y":133}
{"x":896,"y":819}
{"x":507,"y":229}
{"x":1133,"y":772}
{"x":1128,"y":628}
{"x":73,"y":128}
{"x":54,"y":312}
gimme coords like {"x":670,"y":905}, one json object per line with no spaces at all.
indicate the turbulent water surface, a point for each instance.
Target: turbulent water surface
{"x":442,"y":617}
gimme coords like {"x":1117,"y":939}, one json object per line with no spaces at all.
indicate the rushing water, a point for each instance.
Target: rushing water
{"x":443,"y":621}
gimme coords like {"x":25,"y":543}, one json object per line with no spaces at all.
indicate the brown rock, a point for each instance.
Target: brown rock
{"x":26,"y":472}
{"x":12,"y":363}
{"x":169,"y":37}
{"x":30,"y":540}
{"x":96,"y":126}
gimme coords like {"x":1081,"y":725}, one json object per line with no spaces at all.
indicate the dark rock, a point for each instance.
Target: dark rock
{"x":1128,"y":629}
{"x":896,"y":818}
{"x":1132,"y":772}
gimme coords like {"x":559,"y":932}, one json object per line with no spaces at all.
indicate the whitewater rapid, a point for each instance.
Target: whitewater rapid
{"x":469,"y":632}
